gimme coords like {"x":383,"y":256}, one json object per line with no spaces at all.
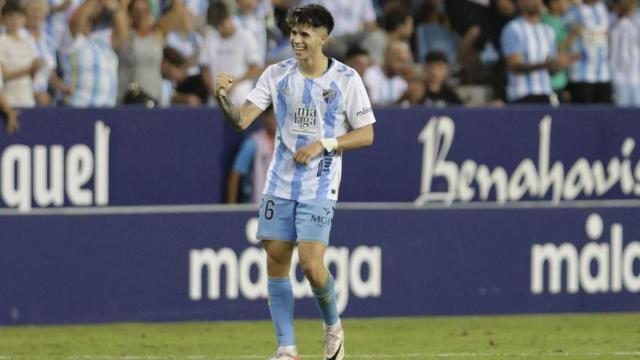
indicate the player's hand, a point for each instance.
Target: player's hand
{"x":224,"y":82}
{"x":304,"y":155}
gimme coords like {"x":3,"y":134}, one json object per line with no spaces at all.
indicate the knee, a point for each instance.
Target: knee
{"x":315,"y":272}
{"x":278,"y":265}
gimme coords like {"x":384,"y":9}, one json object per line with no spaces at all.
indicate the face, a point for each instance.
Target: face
{"x":407,"y":28}
{"x":530,"y":7}
{"x":37,"y":11}
{"x":226,"y":28}
{"x":140,"y":13}
{"x":397,"y":60}
{"x":562,"y":6}
{"x":307,"y":41}
{"x":360,"y":63}
{"x":13,"y":21}
{"x":437,"y":72}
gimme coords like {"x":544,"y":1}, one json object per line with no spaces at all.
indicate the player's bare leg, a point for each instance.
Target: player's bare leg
{"x":312,"y":261}
{"x":281,"y":297}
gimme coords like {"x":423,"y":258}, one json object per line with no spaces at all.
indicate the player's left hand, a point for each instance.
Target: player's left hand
{"x":304,"y":155}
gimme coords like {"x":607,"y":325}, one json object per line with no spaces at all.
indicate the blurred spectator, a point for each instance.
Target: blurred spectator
{"x":432,"y":33}
{"x":56,"y":26}
{"x":530,"y":51}
{"x":10,"y":115}
{"x":18,"y":59}
{"x":477,"y":21}
{"x":353,"y":19}
{"x":198,"y":8}
{"x":188,"y":43}
{"x":625,"y":54}
{"x":231,"y":50}
{"x":385,"y":84}
{"x":416,"y":88}
{"x":36,"y":13}
{"x":250,"y":18}
{"x":397,"y":25}
{"x":359,"y":59}
{"x":247,"y":178}
{"x":554,"y":17}
{"x":174,"y":71}
{"x":90,"y":65}
{"x":140,"y":55}
{"x":589,"y":77}
{"x":438,"y":93}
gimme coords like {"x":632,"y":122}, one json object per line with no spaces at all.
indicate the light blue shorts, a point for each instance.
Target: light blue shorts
{"x":291,"y":220}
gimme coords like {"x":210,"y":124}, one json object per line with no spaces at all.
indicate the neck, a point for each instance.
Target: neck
{"x":34,"y":30}
{"x":314,"y":66}
{"x":532,"y":18}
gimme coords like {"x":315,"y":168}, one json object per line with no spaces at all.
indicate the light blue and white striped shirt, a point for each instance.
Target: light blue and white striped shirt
{"x":592,"y":45}
{"x":91,"y":71}
{"x":535,"y":42}
{"x":308,"y":110}
{"x":625,"y":61}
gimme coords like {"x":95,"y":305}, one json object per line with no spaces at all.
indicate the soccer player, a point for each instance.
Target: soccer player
{"x":316,"y":99}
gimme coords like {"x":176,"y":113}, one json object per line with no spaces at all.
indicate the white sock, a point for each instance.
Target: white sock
{"x":289,"y":350}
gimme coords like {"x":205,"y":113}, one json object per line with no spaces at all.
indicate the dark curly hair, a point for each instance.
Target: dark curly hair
{"x":312,"y":15}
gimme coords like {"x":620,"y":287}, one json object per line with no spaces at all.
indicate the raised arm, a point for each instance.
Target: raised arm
{"x":80,"y":19}
{"x":120,"y":32}
{"x":238,"y":117}
{"x":169,"y":21}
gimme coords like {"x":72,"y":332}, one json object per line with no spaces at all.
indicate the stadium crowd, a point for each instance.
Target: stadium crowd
{"x":105,"y":53}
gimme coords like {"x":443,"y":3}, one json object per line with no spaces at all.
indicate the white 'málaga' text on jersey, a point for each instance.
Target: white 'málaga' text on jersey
{"x":308,"y":110}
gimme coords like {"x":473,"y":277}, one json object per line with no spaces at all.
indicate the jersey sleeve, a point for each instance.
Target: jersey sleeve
{"x":510,"y":41}
{"x":357,"y":104}
{"x":260,"y":96}
{"x":244,"y":158}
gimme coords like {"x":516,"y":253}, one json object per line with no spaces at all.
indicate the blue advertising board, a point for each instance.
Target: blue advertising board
{"x":199,"y":263}
{"x":74,"y":157}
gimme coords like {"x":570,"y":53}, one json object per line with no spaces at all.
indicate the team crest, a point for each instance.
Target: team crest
{"x":328,"y":95}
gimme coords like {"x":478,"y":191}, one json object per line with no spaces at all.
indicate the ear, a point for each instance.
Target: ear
{"x":324,"y":37}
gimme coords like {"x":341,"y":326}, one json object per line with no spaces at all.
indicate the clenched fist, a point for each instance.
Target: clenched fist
{"x":223,"y":84}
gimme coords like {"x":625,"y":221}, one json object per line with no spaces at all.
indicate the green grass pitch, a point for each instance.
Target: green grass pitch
{"x":579,"y":337}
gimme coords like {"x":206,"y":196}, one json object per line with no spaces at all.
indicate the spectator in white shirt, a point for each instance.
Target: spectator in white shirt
{"x":231,"y":50}
{"x":188,"y":43}
{"x":18,"y":59}
{"x":624,"y":47}
{"x":249,"y":17}
{"x":354,"y":19}
{"x":386,"y":84}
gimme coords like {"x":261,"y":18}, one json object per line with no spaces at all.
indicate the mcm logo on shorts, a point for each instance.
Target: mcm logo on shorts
{"x":325,"y":217}
{"x":305,"y":121}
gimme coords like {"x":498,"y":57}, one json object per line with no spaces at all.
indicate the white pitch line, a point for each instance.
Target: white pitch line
{"x":616,"y":354}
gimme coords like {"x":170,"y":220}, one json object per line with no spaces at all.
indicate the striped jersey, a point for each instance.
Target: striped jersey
{"x":91,"y":71}
{"x":535,"y":42}
{"x":592,"y":44}
{"x":624,"y":47}
{"x":308,"y":110}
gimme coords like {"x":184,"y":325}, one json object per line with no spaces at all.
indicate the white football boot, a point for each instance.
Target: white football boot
{"x":285,"y":353}
{"x":333,"y":342}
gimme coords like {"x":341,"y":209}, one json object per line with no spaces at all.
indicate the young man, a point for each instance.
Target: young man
{"x":315,"y":100}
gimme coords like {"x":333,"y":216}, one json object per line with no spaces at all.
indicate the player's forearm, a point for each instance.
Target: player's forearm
{"x":232,"y":114}
{"x":355,"y":139}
